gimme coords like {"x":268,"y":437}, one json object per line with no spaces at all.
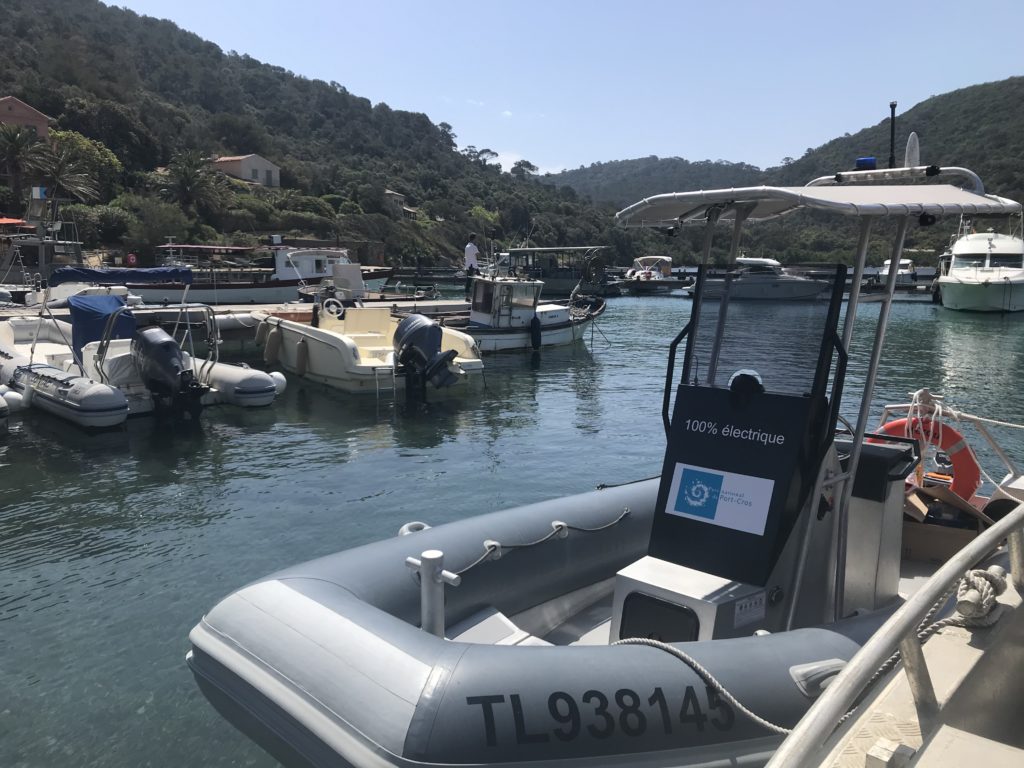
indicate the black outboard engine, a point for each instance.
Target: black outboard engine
{"x":417,"y":344}
{"x":161,"y":365}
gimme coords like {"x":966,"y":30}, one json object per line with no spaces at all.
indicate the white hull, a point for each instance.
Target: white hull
{"x":352,"y":361}
{"x":1002,"y":296}
{"x":510,"y":339}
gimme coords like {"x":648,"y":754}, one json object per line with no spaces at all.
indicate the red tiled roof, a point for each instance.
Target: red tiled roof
{"x":12,"y":222}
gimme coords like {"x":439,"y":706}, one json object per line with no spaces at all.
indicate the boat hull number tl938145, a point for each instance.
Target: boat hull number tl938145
{"x":599,"y":715}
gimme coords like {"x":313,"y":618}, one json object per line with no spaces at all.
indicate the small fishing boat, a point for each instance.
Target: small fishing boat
{"x":686,"y":620}
{"x":561,"y":269}
{"x":761,"y":279}
{"x":226,"y":275}
{"x":366,"y":349}
{"x":506,"y":313}
{"x":985,"y":271}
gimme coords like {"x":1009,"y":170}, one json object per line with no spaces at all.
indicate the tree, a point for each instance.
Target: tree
{"x":63,"y":174}
{"x":193,"y":184}
{"x":94,"y":159}
{"x":523,"y":168}
{"x":21,"y":154}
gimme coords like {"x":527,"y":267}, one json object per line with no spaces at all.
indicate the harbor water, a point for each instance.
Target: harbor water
{"x":112,"y":545}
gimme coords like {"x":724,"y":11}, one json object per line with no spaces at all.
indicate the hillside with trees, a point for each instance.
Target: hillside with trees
{"x":139,"y":107}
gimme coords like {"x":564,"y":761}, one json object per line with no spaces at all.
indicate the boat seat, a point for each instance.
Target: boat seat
{"x":119,"y":370}
{"x":490,"y":626}
{"x":366,"y":336}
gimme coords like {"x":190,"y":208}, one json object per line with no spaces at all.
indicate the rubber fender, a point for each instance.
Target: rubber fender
{"x":262,"y":331}
{"x":301,"y":357}
{"x":535,"y":334}
{"x":273,"y":348}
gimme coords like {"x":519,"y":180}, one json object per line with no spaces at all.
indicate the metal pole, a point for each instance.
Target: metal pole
{"x":858,"y":275}
{"x":892,"y":134}
{"x":433,"y":577}
{"x":862,"y":418}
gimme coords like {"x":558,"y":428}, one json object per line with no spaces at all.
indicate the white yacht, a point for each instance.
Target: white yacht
{"x":765,"y":280}
{"x":985,"y":273}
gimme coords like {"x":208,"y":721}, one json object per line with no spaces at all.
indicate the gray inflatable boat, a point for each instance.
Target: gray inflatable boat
{"x":687,"y":620}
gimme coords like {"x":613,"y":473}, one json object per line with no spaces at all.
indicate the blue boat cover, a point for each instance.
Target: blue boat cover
{"x":113,"y":276}
{"x":89,"y":318}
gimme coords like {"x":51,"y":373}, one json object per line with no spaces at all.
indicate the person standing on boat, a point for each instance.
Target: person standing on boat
{"x":470,"y":264}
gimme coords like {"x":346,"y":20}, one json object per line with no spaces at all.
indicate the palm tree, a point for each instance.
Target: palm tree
{"x":21,"y":154}
{"x":62,"y":172}
{"x":192,"y":184}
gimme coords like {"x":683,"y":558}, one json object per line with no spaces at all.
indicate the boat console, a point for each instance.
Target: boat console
{"x":742,"y":537}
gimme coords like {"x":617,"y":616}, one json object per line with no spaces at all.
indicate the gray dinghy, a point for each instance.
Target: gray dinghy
{"x":762,"y":559}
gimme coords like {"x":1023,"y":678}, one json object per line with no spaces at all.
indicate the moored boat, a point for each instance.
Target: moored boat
{"x":760,"y":279}
{"x":766,"y":554}
{"x":985,"y":272}
{"x":506,"y":313}
{"x":366,"y":349}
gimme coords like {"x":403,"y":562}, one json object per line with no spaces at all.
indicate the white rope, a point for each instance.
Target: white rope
{"x":707,"y":677}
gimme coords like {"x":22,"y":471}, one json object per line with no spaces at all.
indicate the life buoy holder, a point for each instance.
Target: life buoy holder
{"x":132,"y":259}
{"x":966,"y":470}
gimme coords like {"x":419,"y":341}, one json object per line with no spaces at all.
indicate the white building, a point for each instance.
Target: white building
{"x":253,"y":168}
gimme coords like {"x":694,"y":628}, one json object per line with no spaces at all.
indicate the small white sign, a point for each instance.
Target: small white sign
{"x":739,"y":502}
{"x":749,"y":610}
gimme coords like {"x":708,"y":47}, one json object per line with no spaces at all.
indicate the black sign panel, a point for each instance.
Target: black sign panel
{"x":735,"y":475}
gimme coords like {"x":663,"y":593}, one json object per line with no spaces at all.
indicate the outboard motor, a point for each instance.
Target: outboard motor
{"x":161,"y":365}
{"x":417,"y":344}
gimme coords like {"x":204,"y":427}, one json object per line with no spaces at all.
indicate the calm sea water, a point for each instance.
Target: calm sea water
{"x":113,"y":545}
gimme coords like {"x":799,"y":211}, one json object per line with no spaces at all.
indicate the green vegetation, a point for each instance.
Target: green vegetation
{"x":139,"y":105}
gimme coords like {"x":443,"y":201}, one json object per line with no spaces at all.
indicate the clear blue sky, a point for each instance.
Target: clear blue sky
{"x":564,"y":83}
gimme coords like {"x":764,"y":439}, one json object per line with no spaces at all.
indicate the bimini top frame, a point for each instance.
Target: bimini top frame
{"x":844,"y":194}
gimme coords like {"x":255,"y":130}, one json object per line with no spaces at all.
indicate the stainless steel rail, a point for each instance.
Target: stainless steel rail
{"x":803,"y":746}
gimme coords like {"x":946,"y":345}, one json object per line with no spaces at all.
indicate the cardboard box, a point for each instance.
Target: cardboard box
{"x":929,"y":542}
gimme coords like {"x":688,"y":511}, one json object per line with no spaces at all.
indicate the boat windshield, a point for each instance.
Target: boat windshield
{"x":964,"y":260}
{"x":1007,"y":260}
{"x":525,"y":295}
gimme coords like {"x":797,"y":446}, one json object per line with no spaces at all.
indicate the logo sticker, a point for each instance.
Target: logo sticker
{"x":698,"y":493}
{"x":739,"y":502}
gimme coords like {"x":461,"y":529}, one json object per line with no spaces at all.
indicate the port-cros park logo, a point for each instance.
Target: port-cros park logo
{"x":698,"y":493}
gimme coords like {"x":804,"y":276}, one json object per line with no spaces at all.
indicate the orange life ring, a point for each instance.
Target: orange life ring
{"x":966,"y":470}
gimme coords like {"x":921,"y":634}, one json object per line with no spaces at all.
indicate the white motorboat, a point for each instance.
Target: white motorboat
{"x":366,"y":349}
{"x":682,"y":621}
{"x":506,"y":313}
{"x":906,"y":272}
{"x":218,"y":282}
{"x":985,"y":272}
{"x":763,"y":280}
{"x":108,"y":364}
{"x":649,"y":274}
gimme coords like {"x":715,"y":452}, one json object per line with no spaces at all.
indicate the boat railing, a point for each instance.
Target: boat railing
{"x":804,"y":745}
